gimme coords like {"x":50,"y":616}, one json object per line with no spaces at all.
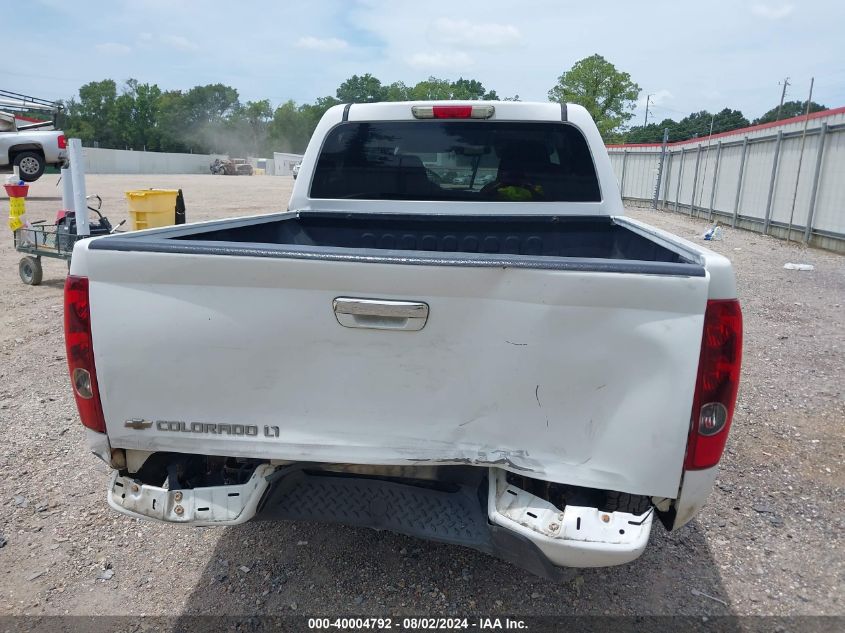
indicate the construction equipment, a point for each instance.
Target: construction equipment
{"x":231,"y":167}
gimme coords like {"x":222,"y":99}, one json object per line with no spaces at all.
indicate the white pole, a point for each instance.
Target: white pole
{"x":67,"y":189}
{"x":77,"y":165}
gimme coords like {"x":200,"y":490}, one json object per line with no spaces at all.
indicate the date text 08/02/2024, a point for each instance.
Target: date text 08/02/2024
{"x":417,"y":624}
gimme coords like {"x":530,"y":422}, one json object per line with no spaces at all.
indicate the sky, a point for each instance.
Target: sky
{"x":689,"y":55}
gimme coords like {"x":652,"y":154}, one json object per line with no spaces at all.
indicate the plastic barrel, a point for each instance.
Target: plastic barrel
{"x":149,"y":208}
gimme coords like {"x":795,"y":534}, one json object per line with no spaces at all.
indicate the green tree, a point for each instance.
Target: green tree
{"x":608,"y":94}
{"x":471,"y":89}
{"x":210,"y":104}
{"x":290,"y":128}
{"x":172,"y":117}
{"x":397,"y":91}
{"x":790,"y":109}
{"x":727,"y":120}
{"x":432,"y":89}
{"x":91,"y":117}
{"x":257,"y":115}
{"x":695,"y":125}
{"x":361,"y":89}
{"x":136,"y":114}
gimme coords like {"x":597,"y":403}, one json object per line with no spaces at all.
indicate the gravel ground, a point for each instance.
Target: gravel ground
{"x":768,"y":542}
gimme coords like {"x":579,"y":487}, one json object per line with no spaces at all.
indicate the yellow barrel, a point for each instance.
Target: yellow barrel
{"x":149,"y":208}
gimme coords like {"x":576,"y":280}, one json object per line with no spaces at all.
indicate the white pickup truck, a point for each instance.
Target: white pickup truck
{"x":453,"y":333}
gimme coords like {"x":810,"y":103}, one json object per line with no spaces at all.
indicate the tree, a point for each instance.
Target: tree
{"x":361,"y":89}
{"x":91,"y":118}
{"x":257,"y":115}
{"x":790,"y":109}
{"x":172,"y":117}
{"x":210,"y":104}
{"x":290,"y":128}
{"x":432,"y":89}
{"x":695,"y":125}
{"x":471,"y":89}
{"x":135,"y":116}
{"x":397,"y":91}
{"x":609,"y":95}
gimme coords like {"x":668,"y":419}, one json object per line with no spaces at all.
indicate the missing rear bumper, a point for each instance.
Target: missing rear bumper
{"x":466,"y":506}
{"x":577,"y":536}
{"x":208,"y":505}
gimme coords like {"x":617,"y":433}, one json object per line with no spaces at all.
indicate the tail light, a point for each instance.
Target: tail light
{"x":453,"y":112}
{"x":716,"y":384}
{"x":80,"y":353}
{"x":62,"y":140}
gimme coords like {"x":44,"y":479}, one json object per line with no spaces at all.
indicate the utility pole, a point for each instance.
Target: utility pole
{"x":647,"y":99}
{"x":782,"y":97}
{"x":800,"y":159}
{"x":706,"y":159}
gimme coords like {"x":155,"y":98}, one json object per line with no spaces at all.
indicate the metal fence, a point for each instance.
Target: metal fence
{"x":749,"y":178}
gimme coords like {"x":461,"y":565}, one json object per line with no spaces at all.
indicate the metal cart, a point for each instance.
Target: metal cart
{"x":55,"y":241}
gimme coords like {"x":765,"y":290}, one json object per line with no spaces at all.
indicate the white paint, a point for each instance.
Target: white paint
{"x":117,"y":161}
{"x":697,"y":486}
{"x":98,"y":444}
{"x":77,"y":165}
{"x":283,"y":163}
{"x":576,"y":536}
{"x":67,"y":189}
{"x":588,"y":406}
{"x":210,"y":505}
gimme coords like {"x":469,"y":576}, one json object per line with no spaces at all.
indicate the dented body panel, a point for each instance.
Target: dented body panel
{"x":558,"y":374}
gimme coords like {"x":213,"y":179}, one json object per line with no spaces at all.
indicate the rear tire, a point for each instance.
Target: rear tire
{"x":30,"y":165}
{"x":624,"y":502}
{"x":30,"y":271}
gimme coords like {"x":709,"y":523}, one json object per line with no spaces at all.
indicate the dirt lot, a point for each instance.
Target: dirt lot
{"x":768,"y":542}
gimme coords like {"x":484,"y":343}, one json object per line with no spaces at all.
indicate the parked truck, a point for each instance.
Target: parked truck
{"x":506,"y":363}
{"x":29,"y":146}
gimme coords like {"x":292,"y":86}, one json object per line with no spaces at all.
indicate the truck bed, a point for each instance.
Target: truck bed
{"x":597,"y":243}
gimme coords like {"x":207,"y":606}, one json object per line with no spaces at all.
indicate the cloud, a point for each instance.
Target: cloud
{"x":177,"y":41}
{"x":472,"y":34}
{"x":145,"y":37}
{"x":324,"y":45}
{"x":771,"y":12}
{"x":456,"y":60}
{"x":112,"y":48}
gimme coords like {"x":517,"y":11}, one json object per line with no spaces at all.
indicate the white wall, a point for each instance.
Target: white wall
{"x":751,"y":209}
{"x":284,"y":163}
{"x":118,"y":161}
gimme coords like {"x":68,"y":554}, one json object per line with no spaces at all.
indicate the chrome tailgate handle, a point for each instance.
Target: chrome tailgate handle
{"x":380,"y":314}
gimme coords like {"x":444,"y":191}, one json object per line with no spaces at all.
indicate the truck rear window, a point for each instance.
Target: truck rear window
{"x":486,"y":161}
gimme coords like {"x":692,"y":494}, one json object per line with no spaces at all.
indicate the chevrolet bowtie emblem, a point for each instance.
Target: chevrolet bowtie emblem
{"x":138,"y":424}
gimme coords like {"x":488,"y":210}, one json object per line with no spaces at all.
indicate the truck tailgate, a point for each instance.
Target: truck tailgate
{"x":577,"y":377}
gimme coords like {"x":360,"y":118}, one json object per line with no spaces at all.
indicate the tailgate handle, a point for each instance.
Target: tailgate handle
{"x":379,"y":314}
